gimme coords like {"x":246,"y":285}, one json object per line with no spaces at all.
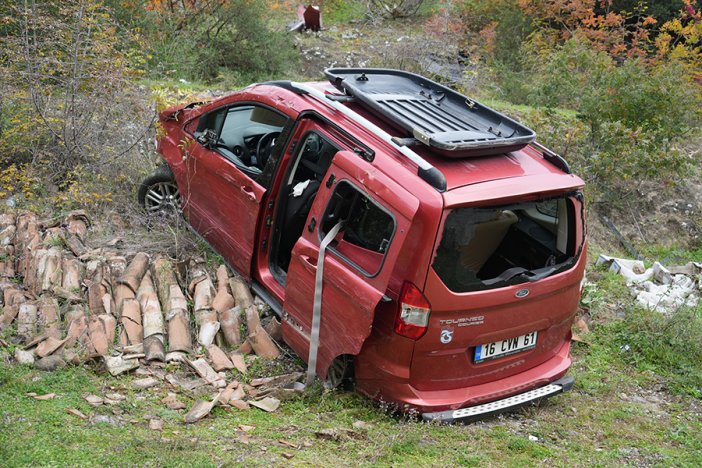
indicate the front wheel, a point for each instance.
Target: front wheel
{"x":159,"y":192}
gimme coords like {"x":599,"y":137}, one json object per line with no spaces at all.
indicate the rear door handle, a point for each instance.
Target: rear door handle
{"x":309,"y":263}
{"x":248,"y":191}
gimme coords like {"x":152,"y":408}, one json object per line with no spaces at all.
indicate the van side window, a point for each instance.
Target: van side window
{"x":367,"y":231}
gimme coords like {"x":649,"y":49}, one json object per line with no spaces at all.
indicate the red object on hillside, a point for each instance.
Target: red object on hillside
{"x":311,"y":17}
{"x":435,"y":250}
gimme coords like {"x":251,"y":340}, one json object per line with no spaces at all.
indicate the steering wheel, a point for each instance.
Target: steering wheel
{"x":264,"y":148}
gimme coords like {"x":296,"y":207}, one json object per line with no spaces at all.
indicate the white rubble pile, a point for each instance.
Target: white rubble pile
{"x":659,"y":288}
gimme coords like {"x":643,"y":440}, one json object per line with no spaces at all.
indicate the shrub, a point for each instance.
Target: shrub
{"x":200,"y":40}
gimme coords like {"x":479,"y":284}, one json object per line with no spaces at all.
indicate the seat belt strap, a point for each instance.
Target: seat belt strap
{"x":317,"y":306}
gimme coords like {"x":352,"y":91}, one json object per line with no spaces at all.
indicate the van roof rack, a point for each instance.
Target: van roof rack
{"x":425,"y":170}
{"x":450,"y":123}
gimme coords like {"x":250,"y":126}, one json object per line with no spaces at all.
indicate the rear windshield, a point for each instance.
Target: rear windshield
{"x":483,"y":248}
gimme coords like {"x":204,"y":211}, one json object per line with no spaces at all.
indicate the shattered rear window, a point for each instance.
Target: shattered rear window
{"x":484,"y":248}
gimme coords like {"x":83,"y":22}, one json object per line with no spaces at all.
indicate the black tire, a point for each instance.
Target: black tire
{"x":160,"y":182}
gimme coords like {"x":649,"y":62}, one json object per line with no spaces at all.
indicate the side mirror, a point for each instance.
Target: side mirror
{"x":207,"y":138}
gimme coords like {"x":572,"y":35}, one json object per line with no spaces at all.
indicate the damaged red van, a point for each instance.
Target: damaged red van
{"x":408,"y":237}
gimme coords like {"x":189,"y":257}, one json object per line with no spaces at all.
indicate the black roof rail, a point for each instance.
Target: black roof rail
{"x":553,"y":157}
{"x":425,"y":170}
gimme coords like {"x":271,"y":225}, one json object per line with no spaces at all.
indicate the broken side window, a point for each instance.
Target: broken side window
{"x":483,"y":248}
{"x":367,"y":232}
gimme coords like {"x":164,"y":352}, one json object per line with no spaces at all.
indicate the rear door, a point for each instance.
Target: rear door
{"x":376,"y":214}
{"x":504,"y":287}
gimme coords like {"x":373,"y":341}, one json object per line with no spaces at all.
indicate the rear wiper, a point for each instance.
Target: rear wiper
{"x":507,"y":275}
{"x":529,"y":275}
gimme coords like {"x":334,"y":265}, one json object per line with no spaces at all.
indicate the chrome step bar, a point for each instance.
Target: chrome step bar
{"x":473,"y":413}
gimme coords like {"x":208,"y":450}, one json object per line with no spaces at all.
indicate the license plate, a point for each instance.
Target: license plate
{"x":505,"y":347}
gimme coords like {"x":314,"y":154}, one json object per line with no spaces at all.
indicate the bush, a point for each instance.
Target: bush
{"x":200,"y":41}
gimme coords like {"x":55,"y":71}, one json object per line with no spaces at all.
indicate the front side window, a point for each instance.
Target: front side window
{"x":245,"y":134}
{"x":483,"y":248}
{"x":367,"y":229}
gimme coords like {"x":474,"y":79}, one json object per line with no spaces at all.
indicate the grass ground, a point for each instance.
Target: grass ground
{"x":621,"y":411}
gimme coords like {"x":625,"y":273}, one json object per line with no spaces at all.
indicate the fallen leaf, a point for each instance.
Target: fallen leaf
{"x":288,"y":455}
{"x":286,"y":443}
{"x":245,"y":428}
{"x":75,"y":412}
{"x":48,"y":396}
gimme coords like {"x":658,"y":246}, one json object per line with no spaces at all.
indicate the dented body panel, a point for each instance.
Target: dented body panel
{"x":324,"y":167}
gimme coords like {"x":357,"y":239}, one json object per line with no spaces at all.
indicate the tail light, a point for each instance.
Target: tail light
{"x":413,"y":312}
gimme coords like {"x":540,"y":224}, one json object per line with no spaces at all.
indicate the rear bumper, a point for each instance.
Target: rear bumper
{"x":397,"y":389}
{"x":506,"y":404}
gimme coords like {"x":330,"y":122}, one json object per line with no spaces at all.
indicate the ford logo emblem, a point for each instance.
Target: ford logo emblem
{"x":522,"y":293}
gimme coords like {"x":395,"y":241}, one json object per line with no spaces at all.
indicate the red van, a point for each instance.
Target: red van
{"x":408,"y":237}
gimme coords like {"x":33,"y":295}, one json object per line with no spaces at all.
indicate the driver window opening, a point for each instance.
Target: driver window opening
{"x":308,"y":172}
{"x":245,"y":135}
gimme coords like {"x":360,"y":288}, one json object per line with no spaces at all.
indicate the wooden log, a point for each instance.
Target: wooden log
{"x":240,"y":291}
{"x":132,"y":330}
{"x":230,"y":325}
{"x":135,"y":271}
{"x":262,"y":344}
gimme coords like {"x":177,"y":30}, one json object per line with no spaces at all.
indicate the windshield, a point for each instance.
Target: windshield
{"x":483,"y":248}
